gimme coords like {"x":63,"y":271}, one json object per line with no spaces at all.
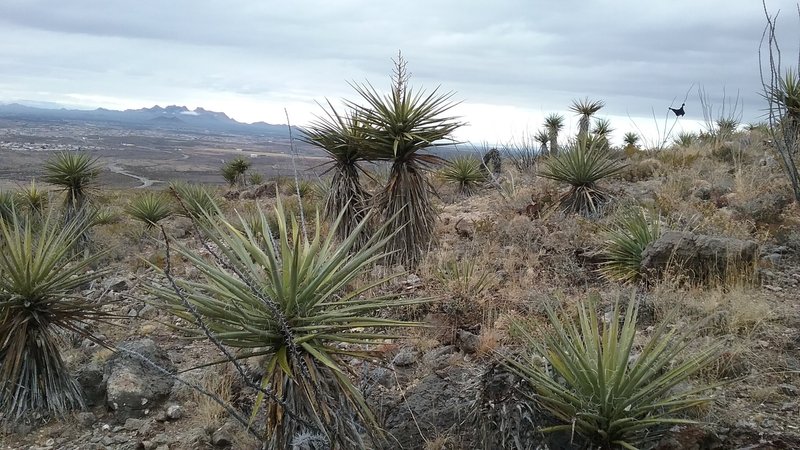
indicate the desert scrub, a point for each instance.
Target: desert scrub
{"x":290,"y":303}
{"x":39,"y":277}
{"x":591,"y":376}
{"x":582,"y":166}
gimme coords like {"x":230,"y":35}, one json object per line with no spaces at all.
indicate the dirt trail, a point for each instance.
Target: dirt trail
{"x":146,"y":182}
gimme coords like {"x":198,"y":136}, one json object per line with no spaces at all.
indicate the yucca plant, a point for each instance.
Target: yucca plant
{"x":585,"y":108}
{"x":685,"y":139}
{"x":582,"y":166}
{"x":194,"y":200}
{"x":229,"y":174}
{"x":32,"y":198}
{"x":342,"y":136}
{"x":399,"y":127}
{"x":596,"y":379}
{"x":466,"y":172}
{"x":294,"y":303}
{"x":75,"y":173}
{"x":255,"y":178}
{"x":149,"y":208}
{"x":234,"y":171}
{"x":631,"y":141}
{"x":601,"y":131}
{"x":542,"y":137}
{"x":40,"y":277}
{"x":625,"y":241}
{"x":553,"y":123}
{"x":103,"y":216}
{"x":8,"y":204}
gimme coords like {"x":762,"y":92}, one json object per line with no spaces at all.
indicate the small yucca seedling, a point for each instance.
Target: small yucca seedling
{"x":39,"y":276}
{"x":585,"y":374}
{"x":149,"y":208}
{"x":685,"y":139}
{"x":582,"y":166}
{"x":466,"y":172}
{"x":633,"y":230}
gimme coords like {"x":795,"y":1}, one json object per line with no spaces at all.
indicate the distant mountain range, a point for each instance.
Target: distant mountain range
{"x":178,"y":118}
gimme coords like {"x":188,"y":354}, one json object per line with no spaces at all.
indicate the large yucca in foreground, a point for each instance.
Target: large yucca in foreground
{"x":39,"y":277}
{"x":604,"y":387}
{"x":292,"y":302}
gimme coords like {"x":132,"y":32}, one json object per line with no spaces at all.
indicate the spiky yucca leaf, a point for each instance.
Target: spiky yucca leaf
{"x":294,"y":305}
{"x":593,"y":385}
{"x":582,"y":166}
{"x":149,"y":208}
{"x":466,"y":172}
{"x":39,"y":274}
{"x":625,"y":242}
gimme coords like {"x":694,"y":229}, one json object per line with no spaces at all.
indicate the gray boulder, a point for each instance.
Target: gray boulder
{"x":698,"y":255}
{"x":133,"y":385}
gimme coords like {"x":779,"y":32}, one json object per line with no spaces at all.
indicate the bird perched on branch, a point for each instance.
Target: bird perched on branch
{"x":679,"y":112}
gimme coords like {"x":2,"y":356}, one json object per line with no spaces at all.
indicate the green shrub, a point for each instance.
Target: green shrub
{"x":604,"y":388}
{"x":75,"y":173}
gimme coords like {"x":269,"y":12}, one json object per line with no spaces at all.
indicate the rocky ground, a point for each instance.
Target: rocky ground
{"x":442,"y":387}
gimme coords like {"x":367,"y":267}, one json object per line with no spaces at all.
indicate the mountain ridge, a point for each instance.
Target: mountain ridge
{"x":173,"y":117}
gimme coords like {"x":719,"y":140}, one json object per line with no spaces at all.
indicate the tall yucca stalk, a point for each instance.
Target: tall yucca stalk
{"x":343,"y":138}
{"x":585,"y":108}
{"x":75,"y":173}
{"x":582,"y":166}
{"x":292,"y":302}
{"x":554,"y":123}
{"x":591,"y":383}
{"x":39,"y":277}
{"x":399,"y":127}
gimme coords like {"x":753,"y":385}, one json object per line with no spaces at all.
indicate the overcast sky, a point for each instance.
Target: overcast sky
{"x":509,"y":61}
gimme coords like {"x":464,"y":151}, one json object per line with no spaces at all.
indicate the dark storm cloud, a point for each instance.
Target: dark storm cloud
{"x":539,"y":55}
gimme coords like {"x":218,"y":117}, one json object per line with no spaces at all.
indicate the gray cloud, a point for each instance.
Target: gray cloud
{"x":536,"y":55}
